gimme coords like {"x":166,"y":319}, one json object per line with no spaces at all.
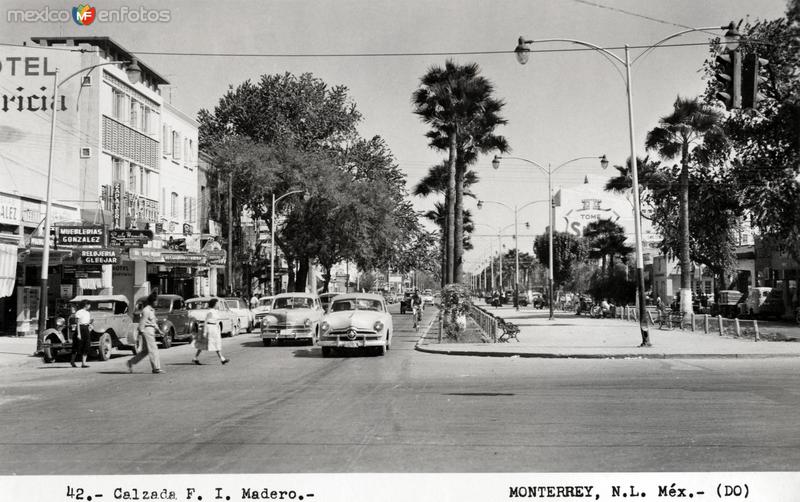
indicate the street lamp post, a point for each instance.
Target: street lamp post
{"x":516,"y":210}
{"x":522,"y":52}
{"x":272,"y":239}
{"x":549,"y":172}
{"x":44,"y":293}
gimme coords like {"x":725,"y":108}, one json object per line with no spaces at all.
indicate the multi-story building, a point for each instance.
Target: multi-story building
{"x":123,"y":160}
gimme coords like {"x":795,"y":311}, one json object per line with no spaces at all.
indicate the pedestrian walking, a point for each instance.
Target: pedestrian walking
{"x":210,"y":338}
{"x":83,"y":335}
{"x":148,"y":325}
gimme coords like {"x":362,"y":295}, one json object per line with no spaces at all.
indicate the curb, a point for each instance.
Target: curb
{"x":551,"y":355}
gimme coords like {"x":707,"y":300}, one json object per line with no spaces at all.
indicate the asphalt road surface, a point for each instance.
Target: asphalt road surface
{"x":284,"y":409}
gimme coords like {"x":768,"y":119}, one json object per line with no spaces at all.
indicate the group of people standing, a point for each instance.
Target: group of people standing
{"x":209,"y":338}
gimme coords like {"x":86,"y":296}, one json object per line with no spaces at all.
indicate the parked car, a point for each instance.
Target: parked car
{"x":537,"y":299}
{"x":198,"y":310}
{"x":427,"y":297}
{"x":294,"y":316}
{"x":750,"y":305}
{"x":173,"y":319}
{"x":263,"y":308}
{"x":325,"y":300}
{"x":112,"y":327}
{"x":726,"y":305}
{"x":244,"y":316}
{"x":356,"y":321}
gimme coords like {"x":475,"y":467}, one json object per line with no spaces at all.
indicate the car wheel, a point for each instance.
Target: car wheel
{"x":104,"y":350}
{"x":50,"y":354}
{"x":266,"y":341}
{"x":166,"y":341}
{"x":326,"y":352}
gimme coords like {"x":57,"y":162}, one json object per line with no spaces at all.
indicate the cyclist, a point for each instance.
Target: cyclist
{"x":416,"y":307}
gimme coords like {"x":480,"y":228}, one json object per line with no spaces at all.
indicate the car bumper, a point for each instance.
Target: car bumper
{"x":345,"y":341}
{"x":287,"y":334}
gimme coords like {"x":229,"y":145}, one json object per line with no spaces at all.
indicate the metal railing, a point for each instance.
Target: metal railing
{"x":485,"y":321}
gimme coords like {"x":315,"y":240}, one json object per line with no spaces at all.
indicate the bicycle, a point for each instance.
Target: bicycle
{"x":416,"y":313}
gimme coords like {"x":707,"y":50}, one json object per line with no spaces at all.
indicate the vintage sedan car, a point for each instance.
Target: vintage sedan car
{"x":262,"y":309}
{"x":356,"y":321}
{"x":112,"y":327}
{"x":244,"y":316}
{"x":427,"y":297}
{"x":294,"y":316}
{"x":198,"y":310}
{"x":173,"y":319}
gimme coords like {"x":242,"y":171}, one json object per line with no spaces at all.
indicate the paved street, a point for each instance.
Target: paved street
{"x":286,"y":409}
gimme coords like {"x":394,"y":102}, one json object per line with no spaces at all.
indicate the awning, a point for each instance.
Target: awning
{"x":8,"y":268}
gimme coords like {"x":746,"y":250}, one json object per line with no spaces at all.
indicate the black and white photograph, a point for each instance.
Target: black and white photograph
{"x":416,"y":250}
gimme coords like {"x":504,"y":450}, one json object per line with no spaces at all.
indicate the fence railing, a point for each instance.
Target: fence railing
{"x":485,"y":321}
{"x":739,"y":328}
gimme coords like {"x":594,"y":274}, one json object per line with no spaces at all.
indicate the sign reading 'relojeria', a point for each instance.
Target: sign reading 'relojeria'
{"x":89,"y":236}
{"x":99,"y":257}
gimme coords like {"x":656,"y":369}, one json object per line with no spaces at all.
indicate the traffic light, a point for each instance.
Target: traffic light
{"x":751,"y":78}
{"x":729,"y":75}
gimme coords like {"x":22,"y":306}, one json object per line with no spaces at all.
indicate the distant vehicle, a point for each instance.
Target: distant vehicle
{"x":199,"y":308}
{"x":263,"y":308}
{"x":405,"y":302}
{"x":773,"y":307}
{"x":244,"y":316}
{"x":750,"y":305}
{"x":427,"y":297}
{"x":726,"y":306}
{"x":173,"y":319}
{"x":112,"y":327}
{"x":294,"y":316}
{"x":356,"y":321}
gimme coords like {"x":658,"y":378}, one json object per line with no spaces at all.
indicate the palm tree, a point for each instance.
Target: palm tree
{"x":606,"y":240}
{"x":457,"y":102}
{"x":691,"y":132}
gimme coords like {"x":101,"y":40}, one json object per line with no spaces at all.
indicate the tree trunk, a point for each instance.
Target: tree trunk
{"x":290,"y":273}
{"x":458,"y":237}
{"x":686,"y":264}
{"x":326,"y":277}
{"x":451,"y":207}
{"x":302,"y":274}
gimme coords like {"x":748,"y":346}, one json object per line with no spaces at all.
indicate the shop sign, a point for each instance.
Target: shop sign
{"x":10,"y":210}
{"x":118,"y":204}
{"x":83,"y":236}
{"x":184,"y":259}
{"x":99,"y":257}
{"x":129,"y":237}
{"x":147,"y":254}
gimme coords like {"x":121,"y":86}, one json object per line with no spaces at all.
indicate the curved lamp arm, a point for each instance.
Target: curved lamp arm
{"x":674,"y":35}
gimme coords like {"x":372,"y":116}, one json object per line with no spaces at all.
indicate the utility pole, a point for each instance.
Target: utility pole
{"x":230,"y":234}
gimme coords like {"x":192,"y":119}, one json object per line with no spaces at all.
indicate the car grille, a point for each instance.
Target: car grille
{"x":276,"y":328}
{"x":347,"y":334}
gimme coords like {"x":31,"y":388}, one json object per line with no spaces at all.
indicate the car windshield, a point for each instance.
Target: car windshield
{"x":163,"y":303}
{"x":293,"y":303}
{"x":197,"y":305}
{"x":233,"y":304}
{"x":110,"y":306}
{"x":265,"y":302}
{"x":357,"y":304}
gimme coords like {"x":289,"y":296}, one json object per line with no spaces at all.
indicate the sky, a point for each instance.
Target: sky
{"x":562,"y":105}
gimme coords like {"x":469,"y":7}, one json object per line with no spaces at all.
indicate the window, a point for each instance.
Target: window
{"x":136,"y":113}
{"x":165,"y":136}
{"x":147,"y":120}
{"x":186,"y":209}
{"x":186,"y":150}
{"x":174,"y":205}
{"x":176,"y":145}
{"x":190,"y":154}
{"x":133,"y":175}
{"x":117,"y":169}
{"x":118,"y":104}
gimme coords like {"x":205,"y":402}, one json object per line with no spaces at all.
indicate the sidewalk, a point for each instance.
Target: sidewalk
{"x":17,"y":351}
{"x":571,"y":336}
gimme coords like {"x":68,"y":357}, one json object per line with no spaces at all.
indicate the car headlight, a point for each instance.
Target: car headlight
{"x":307,"y":323}
{"x":378,"y":326}
{"x":324,"y":327}
{"x":60,"y":322}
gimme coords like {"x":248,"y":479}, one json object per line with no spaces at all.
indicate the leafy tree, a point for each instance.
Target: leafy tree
{"x":457,"y":103}
{"x":692,"y":133}
{"x":568,"y":252}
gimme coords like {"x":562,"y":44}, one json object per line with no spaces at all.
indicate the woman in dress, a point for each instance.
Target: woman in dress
{"x":210,"y":338}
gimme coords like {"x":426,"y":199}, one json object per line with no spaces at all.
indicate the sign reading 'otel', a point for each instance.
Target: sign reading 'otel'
{"x":23,"y":100}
